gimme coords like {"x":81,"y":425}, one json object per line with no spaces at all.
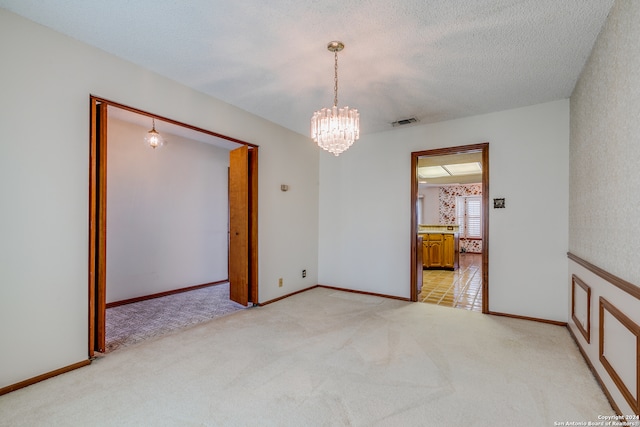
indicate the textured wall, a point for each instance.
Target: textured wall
{"x":605,"y":149}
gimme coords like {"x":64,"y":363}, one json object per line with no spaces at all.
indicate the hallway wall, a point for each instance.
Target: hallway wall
{"x":167,"y":213}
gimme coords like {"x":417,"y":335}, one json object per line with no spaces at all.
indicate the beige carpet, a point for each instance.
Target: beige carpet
{"x":328,"y":358}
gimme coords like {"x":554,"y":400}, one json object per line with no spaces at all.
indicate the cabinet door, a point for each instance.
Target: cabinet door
{"x":448,"y":256}
{"x":435,"y":253}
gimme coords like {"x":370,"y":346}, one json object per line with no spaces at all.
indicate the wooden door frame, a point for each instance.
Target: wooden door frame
{"x":97,"y":225}
{"x":97,"y":262}
{"x":474,"y":148}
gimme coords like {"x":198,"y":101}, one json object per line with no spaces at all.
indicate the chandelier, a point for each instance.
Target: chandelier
{"x":335,"y":129}
{"x":153,"y":138}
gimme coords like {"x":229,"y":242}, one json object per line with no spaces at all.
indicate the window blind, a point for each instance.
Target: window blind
{"x":469,"y":216}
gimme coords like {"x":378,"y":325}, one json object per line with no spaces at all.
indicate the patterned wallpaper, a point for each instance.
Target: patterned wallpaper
{"x":447,"y":197}
{"x":605,"y":149}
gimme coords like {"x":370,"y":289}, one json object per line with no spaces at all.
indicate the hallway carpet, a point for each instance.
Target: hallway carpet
{"x":328,"y":358}
{"x":131,"y":323}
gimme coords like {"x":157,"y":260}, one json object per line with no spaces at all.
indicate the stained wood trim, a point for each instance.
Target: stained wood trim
{"x":485,"y":227}
{"x":253,"y":225}
{"x":92,"y":222}
{"x":484,"y":149}
{"x":164,"y":294}
{"x":595,"y":373}
{"x":175,"y":122}
{"x":586,"y":333}
{"x":97,"y":225}
{"x":415,"y":271}
{"x":286,"y":296}
{"x":533,"y":319}
{"x":364,"y":293}
{"x":634,"y":328}
{"x":101,"y":231}
{"x":460,"y":149}
{"x":336,"y":289}
{"x":30,"y":381}
{"x":628,"y":287}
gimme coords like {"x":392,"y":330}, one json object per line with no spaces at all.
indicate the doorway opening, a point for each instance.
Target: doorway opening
{"x":168,"y":233}
{"x":450,"y":226}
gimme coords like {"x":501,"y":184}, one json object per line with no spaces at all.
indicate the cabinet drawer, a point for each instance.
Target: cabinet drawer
{"x":435,"y":237}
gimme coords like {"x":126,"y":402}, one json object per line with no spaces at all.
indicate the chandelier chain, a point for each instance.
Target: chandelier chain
{"x":335,"y":81}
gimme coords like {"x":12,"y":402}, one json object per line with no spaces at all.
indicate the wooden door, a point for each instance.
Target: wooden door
{"x":448,"y":251}
{"x":253,"y":225}
{"x":239,"y":232}
{"x":435,"y":253}
{"x":97,"y":227}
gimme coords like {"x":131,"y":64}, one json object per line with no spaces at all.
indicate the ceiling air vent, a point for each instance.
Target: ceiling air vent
{"x":404,"y":122}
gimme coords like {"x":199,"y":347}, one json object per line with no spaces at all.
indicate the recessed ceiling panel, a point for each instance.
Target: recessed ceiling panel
{"x":464,"y":168}
{"x":432,"y":172}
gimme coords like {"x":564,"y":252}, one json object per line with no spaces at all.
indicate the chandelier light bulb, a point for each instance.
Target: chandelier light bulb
{"x":153,"y":138}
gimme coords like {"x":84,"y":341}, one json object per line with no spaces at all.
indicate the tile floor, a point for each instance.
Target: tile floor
{"x":461,"y":288}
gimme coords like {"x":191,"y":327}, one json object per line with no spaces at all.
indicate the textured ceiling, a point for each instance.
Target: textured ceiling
{"x":433,"y":60}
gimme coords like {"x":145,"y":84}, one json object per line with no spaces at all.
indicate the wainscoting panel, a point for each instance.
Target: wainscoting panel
{"x":581,"y":306}
{"x":612,"y":346}
{"x":618,"y":350}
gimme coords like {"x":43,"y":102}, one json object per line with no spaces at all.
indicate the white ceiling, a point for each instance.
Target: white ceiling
{"x":430,"y":59}
{"x":168,"y":130}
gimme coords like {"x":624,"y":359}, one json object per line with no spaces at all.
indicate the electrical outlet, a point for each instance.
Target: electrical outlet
{"x":280,"y":282}
{"x":304,"y":273}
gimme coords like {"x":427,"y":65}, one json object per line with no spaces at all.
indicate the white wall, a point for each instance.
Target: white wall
{"x":365,"y":245}
{"x":45,"y":80}
{"x":167,"y":213}
{"x":431,"y":206}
